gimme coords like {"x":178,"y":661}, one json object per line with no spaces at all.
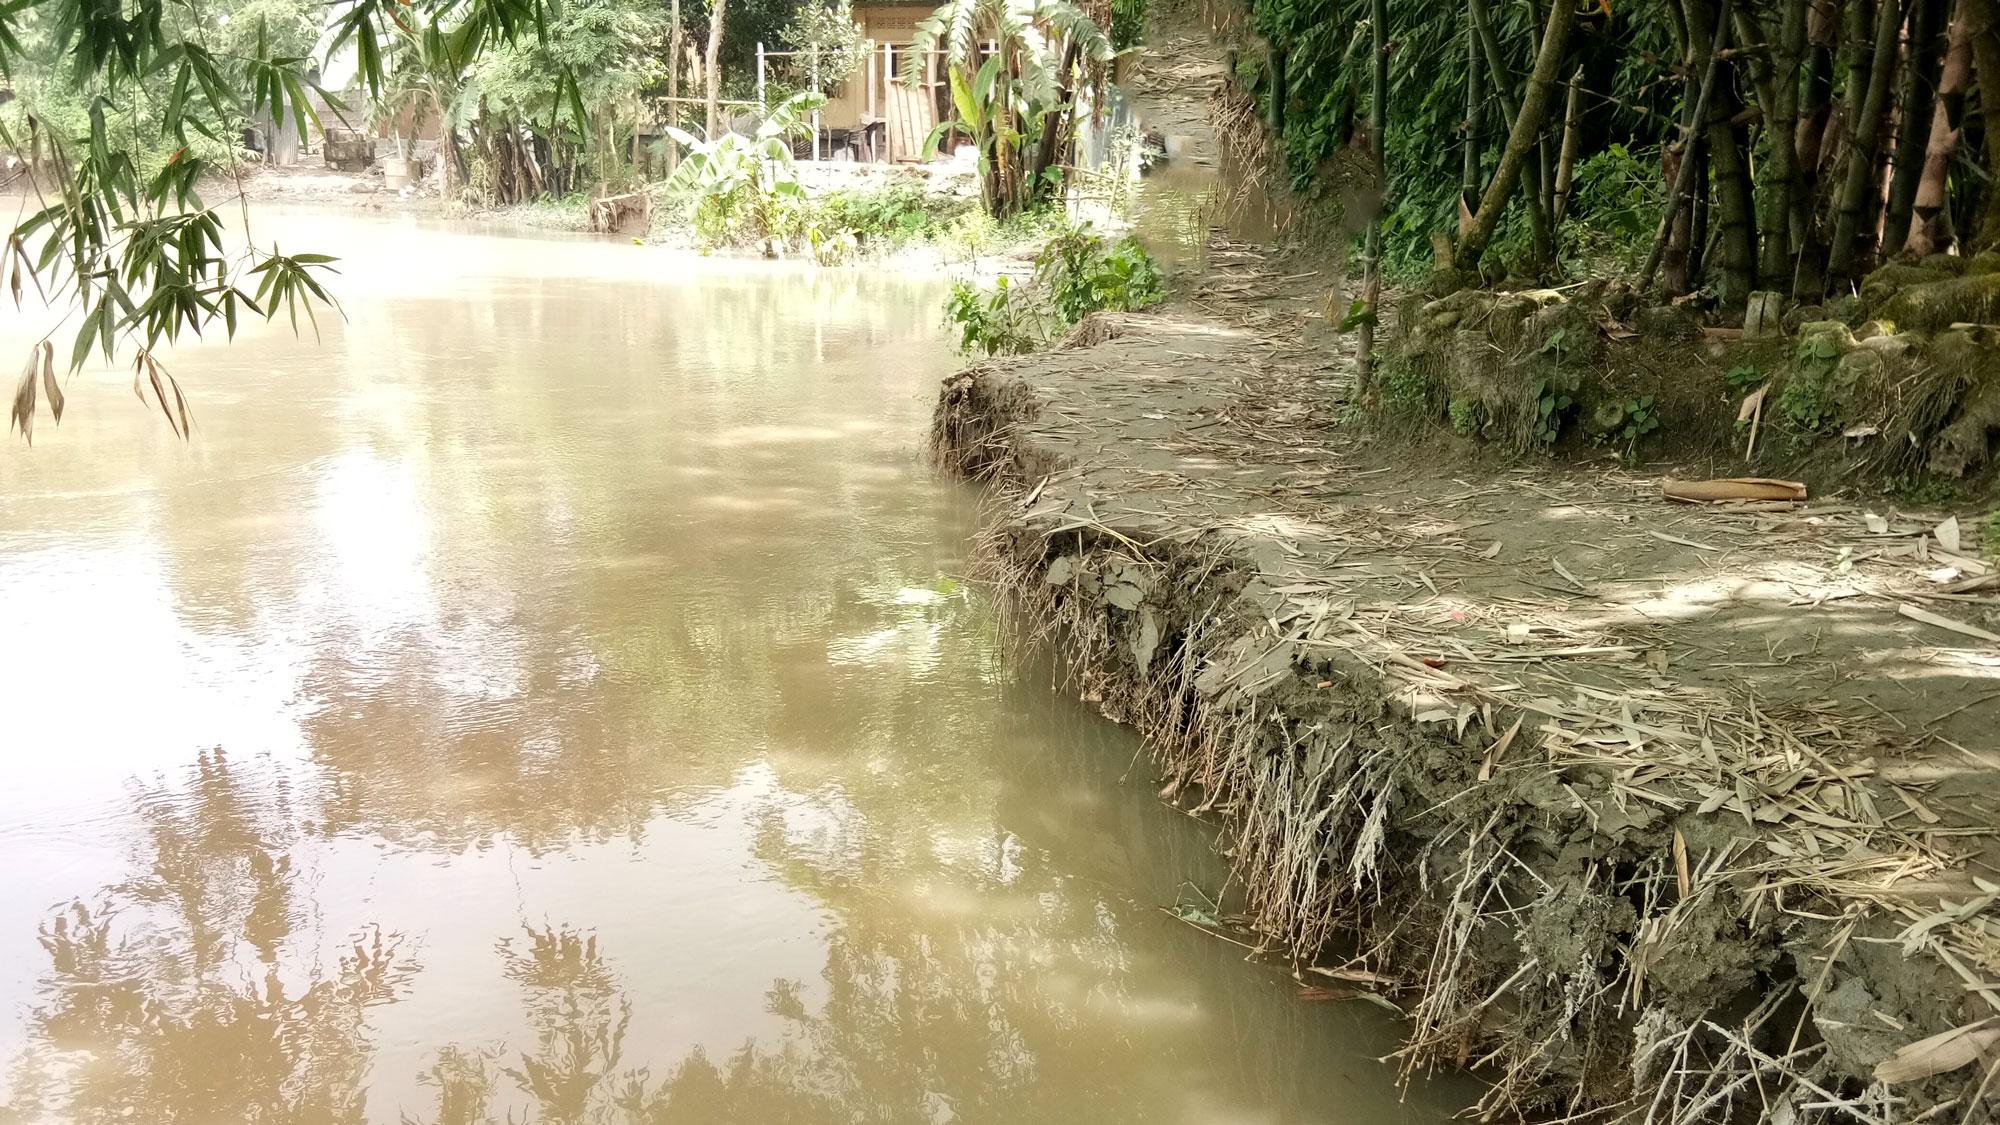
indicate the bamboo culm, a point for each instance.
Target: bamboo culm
{"x":1521,"y":139}
{"x":1684,"y":179}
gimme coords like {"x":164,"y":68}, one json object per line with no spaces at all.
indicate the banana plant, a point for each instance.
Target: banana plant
{"x":1017,"y":103}
{"x":740,"y":183}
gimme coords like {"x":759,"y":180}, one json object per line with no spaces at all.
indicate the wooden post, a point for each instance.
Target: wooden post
{"x":760,"y":79}
{"x":814,"y":73}
{"x":868,"y":76}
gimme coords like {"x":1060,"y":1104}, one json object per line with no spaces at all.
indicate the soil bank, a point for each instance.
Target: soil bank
{"x":1666,"y":813}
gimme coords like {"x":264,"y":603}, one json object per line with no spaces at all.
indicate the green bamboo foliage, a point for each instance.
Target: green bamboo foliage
{"x":1810,"y":140}
{"x":121,"y":111}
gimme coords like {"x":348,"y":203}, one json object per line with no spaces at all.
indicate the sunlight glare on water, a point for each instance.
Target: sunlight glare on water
{"x":555,"y":695}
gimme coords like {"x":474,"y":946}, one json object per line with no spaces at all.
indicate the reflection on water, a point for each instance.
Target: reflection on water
{"x":549,"y":697}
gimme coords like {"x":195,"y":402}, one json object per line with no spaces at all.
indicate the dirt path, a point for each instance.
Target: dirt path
{"x":1662,"y":809}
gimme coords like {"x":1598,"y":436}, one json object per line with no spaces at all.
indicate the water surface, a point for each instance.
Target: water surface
{"x":554,"y":695}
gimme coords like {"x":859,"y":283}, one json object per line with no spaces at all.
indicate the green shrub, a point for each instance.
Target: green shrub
{"x":996,"y":323}
{"x":1128,"y":23}
{"x":1552,"y":407}
{"x":1075,"y":275}
{"x":1810,"y":402}
{"x":1743,"y":378}
{"x":1925,"y":490}
{"x":897,"y":212}
{"x":1641,"y":418}
{"x":745,"y":189}
{"x":1082,"y":277}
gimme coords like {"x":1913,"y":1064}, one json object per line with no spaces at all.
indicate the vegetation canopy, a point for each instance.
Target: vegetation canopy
{"x":1713,"y":147}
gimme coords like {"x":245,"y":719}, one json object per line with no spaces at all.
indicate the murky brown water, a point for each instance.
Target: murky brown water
{"x":552,"y":697}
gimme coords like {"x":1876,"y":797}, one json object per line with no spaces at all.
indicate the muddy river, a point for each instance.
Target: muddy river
{"x":555,"y":694}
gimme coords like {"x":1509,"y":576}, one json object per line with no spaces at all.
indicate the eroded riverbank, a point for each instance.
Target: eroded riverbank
{"x":1666,"y":813}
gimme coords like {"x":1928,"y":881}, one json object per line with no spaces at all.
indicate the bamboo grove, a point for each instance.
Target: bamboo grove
{"x":1713,"y":146}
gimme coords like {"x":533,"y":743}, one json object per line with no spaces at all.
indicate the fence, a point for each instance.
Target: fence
{"x":881,"y":95}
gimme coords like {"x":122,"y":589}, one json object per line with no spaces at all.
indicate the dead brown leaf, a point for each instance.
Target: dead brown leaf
{"x":1940,"y":1054}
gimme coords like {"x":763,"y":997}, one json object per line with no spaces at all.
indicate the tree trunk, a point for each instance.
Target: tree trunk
{"x":1983,"y":22}
{"x":1865,"y":131}
{"x":1930,"y":227}
{"x":1782,"y":185}
{"x":712,"y":74}
{"x":1521,"y":138}
{"x":1371,"y":254}
{"x":1572,"y":137}
{"x":1914,"y":106}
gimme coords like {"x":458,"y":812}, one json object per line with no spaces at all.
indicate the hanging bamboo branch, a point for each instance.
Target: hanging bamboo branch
{"x":1684,"y":178}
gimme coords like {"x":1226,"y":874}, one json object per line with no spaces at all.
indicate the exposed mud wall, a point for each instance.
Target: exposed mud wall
{"x":1898,"y":385}
{"x":1548,"y":928}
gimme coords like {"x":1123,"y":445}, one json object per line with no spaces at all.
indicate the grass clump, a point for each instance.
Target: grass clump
{"x":1921,"y":489}
{"x":896,"y":213}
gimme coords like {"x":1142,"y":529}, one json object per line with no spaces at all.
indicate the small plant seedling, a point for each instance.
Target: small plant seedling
{"x":1550,"y":404}
{"x":1743,"y":378}
{"x":1641,"y":418}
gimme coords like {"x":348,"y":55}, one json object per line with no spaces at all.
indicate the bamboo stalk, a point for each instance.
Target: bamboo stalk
{"x":1866,"y":134}
{"x":1930,"y":227}
{"x":1781,"y":185}
{"x":1920,"y":69}
{"x":1572,"y":137}
{"x":1468,"y":180}
{"x":1371,"y":259}
{"x":1684,"y":179}
{"x":1984,"y":25}
{"x":1521,"y":138}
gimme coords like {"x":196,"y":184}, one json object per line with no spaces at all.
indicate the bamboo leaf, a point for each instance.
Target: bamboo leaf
{"x":50,"y":387}
{"x":23,"y":415}
{"x":1939,"y":1054}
